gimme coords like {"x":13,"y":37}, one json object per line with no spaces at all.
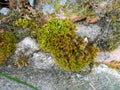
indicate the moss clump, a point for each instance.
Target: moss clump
{"x":7,"y":45}
{"x":69,"y":50}
{"x":25,"y":23}
{"x":74,"y":54}
{"x":51,"y":31}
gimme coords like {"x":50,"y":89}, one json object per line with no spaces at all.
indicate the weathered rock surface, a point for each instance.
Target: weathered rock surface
{"x":43,"y":73}
{"x":91,"y":30}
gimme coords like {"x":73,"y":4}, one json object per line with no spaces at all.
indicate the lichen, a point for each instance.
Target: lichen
{"x":7,"y":45}
{"x":69,"y":50}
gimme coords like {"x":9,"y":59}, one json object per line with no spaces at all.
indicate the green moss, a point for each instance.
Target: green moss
{"x":53,"y":30}
{"x":25,"y":23}
{"x":7,"y":45}
{"x":28,"y":27}
{"x":69,"y":50}
{"x":73,"y":54}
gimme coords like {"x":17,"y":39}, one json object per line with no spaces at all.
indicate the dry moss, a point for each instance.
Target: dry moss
{"x":21,"y":61}
{"x":69,"y":50}
{"x":7,"y":45}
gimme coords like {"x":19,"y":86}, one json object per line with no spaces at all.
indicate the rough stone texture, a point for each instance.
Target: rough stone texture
{"x":102,"y":78}
{"x":6,"y":84}
{"x":109,"y":56}
{"x":42,"y":60}
{"x":103,"y":7}
{"x":27,"y":46}
{"x":91,"y":31}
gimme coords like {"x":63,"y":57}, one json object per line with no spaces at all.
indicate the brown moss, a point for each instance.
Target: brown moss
{"x":21,"y":61}
{"x":7,"y":45}
{"x":74,"y":54}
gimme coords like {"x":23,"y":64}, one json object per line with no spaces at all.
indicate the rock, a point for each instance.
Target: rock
{"x":27,"y":46}
{"x":4,"y":11}
{"x":102,"y":78}
{"x":91,"y":31}
{"x":109,"y":56}
{"x":42,"y":60}
{"x":39,"y":60}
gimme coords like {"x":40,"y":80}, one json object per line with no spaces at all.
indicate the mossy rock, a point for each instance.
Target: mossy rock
{"x":7,"y":45}
{"x":69,"y":50}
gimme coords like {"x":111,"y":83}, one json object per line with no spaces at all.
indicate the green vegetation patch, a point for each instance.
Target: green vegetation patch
{"x":7,"y":45}
{"x":25,"y":23}
{"x":69,"y":50}
{"x":50,"y":32}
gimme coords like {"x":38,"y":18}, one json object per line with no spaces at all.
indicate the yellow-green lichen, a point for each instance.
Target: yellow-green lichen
{"x":7,"y":45}
{"x":69,"y":50}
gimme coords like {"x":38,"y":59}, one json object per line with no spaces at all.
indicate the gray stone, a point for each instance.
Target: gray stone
{"x":27,"y":46}
{"x":91,"y":31}
{"x":42,"y":60}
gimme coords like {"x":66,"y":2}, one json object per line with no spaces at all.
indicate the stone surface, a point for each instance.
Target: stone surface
{"x":91,"y":30}
{"x":109,"y":56}
{"x":42,"y":60}
{"x":102,"y":78}
{"x":27,"y":46}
